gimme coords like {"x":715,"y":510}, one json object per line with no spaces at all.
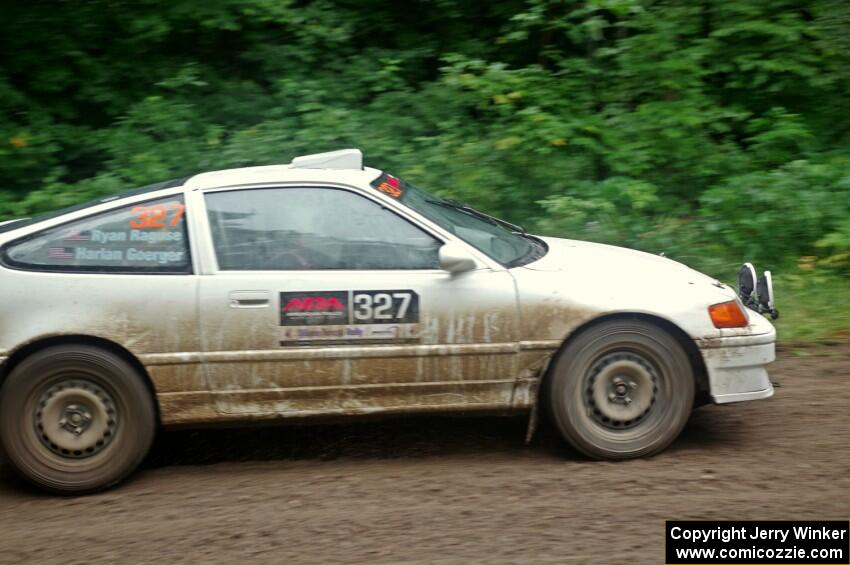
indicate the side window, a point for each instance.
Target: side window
{"x":313,"y":229}
{"x":144,"y":237}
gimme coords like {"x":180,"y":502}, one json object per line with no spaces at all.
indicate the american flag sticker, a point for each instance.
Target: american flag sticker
{"x":75,"y":235}
{"x":59,"y":253}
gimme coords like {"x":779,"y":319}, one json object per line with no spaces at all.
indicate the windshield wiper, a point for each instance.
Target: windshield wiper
{"x":455,"y":205}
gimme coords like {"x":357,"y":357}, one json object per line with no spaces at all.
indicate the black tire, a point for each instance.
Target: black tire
{"x":75,"y":419}
{"x":621,"y":389}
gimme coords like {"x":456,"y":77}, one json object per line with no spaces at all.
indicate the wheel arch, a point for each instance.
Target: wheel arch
{"x":34,"y":346}
{"x":681,"y":337}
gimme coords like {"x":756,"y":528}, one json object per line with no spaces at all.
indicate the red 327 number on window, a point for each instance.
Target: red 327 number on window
{"x":157,"y":216}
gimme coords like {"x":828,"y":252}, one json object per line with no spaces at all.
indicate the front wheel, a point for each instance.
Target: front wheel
{"x":621,"y":389}
{"x":75,"y":418}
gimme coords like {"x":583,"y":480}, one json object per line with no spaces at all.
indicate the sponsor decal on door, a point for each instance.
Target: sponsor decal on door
{"x":322,"y":308}
{"x":345,"y":316}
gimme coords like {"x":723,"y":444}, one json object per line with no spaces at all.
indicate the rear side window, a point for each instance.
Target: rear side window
{"x":147,"y":237}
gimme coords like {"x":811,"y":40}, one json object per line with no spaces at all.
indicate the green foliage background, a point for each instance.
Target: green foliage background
{"x":715,"y":131}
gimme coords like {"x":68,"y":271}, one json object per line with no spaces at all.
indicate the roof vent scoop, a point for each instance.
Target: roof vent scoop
{"x":342,"y":159}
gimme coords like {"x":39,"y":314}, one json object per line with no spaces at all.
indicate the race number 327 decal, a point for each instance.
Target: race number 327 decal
{"x":157,"y":216}
{"x":385,"y":307}
{"x":345,"y":316}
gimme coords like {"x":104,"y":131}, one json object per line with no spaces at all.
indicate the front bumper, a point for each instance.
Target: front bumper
{"x":737,"y":366}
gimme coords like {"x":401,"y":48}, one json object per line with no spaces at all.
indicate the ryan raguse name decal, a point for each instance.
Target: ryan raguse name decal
{"x":346,"y":315}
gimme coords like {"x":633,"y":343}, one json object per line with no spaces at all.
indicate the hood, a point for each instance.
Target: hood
{"x":577,"y":281}
{"x":602,"y":262}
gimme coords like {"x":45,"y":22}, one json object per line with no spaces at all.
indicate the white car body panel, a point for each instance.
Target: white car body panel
{"x":486,"y":335}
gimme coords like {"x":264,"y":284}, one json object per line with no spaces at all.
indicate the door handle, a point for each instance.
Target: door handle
{"x":250,"y":299}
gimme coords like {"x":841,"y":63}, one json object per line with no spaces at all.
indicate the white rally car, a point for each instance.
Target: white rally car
{"x":323,"y":288}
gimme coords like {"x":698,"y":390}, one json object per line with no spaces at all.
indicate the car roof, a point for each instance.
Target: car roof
{"x":335,"y":167}
{"x":345,"y":165}
{"x":342,"y":166}
{"x":279,"y":173}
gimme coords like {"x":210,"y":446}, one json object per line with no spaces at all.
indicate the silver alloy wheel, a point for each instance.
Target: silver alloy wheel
{"x":621,"y":389}
{"x":76,"y":418}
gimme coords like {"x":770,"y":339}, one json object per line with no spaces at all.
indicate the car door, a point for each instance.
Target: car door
{"x":326,"y":300}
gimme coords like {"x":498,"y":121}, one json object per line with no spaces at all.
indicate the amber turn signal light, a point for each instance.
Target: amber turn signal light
{"x":727,"y":315}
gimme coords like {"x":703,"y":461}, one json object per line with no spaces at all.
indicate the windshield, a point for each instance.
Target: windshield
{"x":500,"y":240}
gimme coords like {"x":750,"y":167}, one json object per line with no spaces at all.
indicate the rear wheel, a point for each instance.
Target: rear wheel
{"x":621,"y":389}
{"x":75,"y":418}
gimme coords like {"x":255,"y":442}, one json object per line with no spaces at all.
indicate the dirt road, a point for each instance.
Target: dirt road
{"x":453,"y":490}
